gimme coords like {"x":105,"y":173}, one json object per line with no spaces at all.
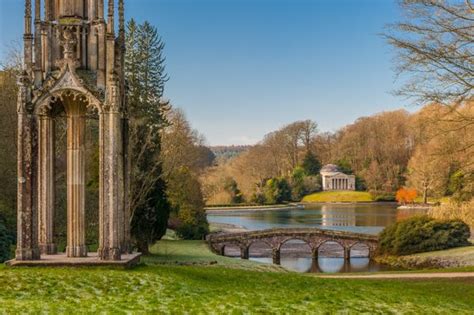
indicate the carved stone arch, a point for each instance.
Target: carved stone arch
{"x":365,"y":244}
{"x":359,"y":242}
{"x":262,"y":240}
{"x":43,"y":105}
{"x":329,"y":241}
{"x":296,"y":238}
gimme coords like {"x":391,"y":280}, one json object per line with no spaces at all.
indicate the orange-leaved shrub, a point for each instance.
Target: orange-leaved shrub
{"x":406,"y":195}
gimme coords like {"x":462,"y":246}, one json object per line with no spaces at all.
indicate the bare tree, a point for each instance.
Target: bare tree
{"x":435,"y":47}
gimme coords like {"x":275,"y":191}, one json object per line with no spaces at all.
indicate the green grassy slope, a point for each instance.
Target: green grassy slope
{"x":198,"y":253}
{"x":186,"y":289}
{"x":339,"y":196}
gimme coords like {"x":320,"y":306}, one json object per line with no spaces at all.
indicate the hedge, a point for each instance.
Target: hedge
{"x":422,"y":234}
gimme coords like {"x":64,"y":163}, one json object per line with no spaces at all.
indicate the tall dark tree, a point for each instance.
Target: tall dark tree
{"x":311,"y":165}
{"x":146,"y":77}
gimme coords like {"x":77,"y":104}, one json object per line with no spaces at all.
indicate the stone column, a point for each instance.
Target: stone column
{"x":46,"y":190}
{"x":126,"y":242}
{"x":27,"y":220}
{"x":347,"y":253}
{"x":276,"y":256}
{"x":244,"y":252}
{"x":76,"y":238}
{"x":112,"y":226}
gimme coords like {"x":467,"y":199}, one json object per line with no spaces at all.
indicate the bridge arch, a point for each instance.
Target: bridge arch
{"x":343,"y":247}
{"x":260,"y":248}
{"x":294,"y":238}
{"x":230,"y":249}
{"x":315,"y":239}
{"x":358,"y":246}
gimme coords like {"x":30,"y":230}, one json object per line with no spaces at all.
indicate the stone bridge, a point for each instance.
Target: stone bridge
{"x":275,"y":238}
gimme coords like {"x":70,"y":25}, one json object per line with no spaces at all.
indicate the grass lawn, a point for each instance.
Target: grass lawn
{"x":171,"y":252}
{"x":339,"y":196}
{"x":228,"y":286}
{"x":192,"y":289}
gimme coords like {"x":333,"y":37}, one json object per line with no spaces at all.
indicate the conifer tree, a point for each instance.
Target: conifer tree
{"x":146,"y":78}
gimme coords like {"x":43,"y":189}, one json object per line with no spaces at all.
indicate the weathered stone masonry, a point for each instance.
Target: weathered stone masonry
{"x":275,"y":238}
{"x":73,"y":62}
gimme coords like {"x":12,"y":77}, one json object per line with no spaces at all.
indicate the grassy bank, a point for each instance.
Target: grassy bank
{"x":218,"y":285}
{"x":170,"y":252}
{"x":339,"y":196}
{"x":178,"y":290}
{"x":462,"y":257}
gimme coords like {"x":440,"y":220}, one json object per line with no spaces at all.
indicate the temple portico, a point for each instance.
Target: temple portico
{"x":334,"y":179}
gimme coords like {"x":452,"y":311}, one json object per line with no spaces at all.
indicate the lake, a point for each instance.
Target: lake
{"x":368,"y":218}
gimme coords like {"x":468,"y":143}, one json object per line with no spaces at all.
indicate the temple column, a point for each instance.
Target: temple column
{"x":46,"y":194}
{"x":126,"y":242}
{"x":112,"y":216}
{"x":76,"y":238}
{"x":27,"y":220}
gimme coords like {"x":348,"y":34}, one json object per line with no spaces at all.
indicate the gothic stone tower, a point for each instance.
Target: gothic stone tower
{"x":73,"y":61}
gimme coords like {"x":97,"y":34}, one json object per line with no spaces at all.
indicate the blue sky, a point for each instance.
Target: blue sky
{"x":242,"y":68}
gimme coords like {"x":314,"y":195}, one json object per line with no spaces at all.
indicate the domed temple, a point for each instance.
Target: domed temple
{"x":73,"y":65}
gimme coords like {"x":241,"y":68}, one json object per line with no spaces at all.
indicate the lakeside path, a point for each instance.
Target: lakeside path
{"x":426,"y":275}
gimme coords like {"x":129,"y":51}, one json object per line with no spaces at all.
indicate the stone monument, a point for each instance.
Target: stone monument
{"x":74,"y":63}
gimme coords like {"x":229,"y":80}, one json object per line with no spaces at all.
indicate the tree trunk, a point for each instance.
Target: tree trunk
{"x":143,"y":247}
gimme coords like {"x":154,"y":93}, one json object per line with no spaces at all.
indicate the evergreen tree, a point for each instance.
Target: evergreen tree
{"x":146,"y":77}
{"x":311,"y":165}
{"x":233,"y":189}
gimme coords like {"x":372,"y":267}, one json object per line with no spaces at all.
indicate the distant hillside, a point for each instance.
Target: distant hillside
{"x":228,"y":152}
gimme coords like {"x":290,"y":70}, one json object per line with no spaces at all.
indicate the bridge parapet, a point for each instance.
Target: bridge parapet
{"x":275,"y":238}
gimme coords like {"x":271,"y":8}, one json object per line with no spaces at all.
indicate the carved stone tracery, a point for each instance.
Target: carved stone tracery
{"x":69,"y":72}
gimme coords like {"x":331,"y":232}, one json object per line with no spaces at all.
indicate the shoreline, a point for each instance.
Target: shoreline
{"x":292,"y":206}
{"x":416,"y":207}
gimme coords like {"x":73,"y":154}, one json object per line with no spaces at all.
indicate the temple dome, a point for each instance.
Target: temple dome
{"x":330,"y":168}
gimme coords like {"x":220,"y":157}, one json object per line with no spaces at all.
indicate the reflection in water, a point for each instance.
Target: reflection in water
{"x":326,"y":264}
{"x":330,"y":217}
{"x":362,"y":218}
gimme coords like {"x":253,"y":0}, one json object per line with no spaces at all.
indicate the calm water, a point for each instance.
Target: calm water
{"x":363,"y":218}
